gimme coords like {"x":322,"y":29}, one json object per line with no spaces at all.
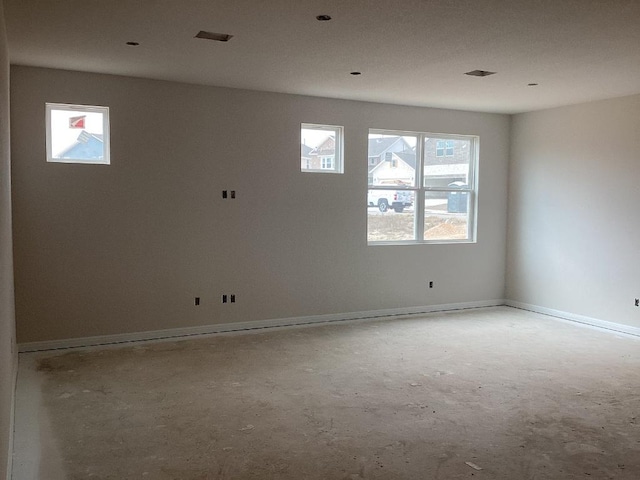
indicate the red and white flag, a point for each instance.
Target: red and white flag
{"x":77,"y":122}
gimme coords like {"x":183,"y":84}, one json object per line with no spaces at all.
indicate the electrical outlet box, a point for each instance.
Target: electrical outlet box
{"x":637,"y":302}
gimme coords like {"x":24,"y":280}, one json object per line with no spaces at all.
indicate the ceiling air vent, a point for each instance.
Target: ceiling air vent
{"x":479,"y":73}
{"x":218,"y":37}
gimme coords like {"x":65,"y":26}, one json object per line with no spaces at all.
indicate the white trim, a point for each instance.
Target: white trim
{"x":572,"y":317}
{"x":176,"y":333}
{"x":338,"y":151}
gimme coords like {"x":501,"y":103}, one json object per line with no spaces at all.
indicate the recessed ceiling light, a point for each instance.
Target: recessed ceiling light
{"x":323,"y":18}
{"x":480,"y":73}
{"x":532,"y":84}
{"x":218,"y":37}
{"x":133,"y":44}
{"x":356,"y":73}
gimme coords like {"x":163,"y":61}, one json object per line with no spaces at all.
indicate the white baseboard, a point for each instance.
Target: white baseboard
{"x":12,"y":416}
{"x":175,"y":333}
{"x":572,"y":317}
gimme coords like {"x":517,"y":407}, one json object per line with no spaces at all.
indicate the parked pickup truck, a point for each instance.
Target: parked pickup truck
{"x":386,"y":199}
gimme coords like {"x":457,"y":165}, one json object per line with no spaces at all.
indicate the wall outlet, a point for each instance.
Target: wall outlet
{"x":637,"y":302}
{"x":196,"y":301}
{"x":229,"y":298}
{"x":430,"y":284}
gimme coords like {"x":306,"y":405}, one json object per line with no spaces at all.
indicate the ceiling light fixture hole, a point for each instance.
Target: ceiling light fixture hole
{"x":480,"y":73}
{"x":217,"y":37}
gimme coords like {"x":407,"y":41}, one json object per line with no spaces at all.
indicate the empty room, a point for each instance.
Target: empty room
{"x":319,"y":239}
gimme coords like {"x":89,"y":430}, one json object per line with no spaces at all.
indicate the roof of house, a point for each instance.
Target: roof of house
{"x":377,"y":146}
{"x":82,"y":141}
{"x":305,"y":150}
{"x":407,"y":157}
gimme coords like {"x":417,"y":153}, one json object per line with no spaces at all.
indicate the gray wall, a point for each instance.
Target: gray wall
{"x":574,"y":228}
{"x":8,"y":358}
{"x":126,"y":247}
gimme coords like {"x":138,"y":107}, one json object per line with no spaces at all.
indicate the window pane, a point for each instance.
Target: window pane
{"x":320,"y":148}
{"x":446,"y":161}
{"x":76,"y":134}
{"x":449,"y":148}
{"x":390,"y":216}
{"x":392,"y":160}
{"x":446,"y":215}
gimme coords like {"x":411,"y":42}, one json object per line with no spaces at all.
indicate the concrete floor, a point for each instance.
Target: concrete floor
{"x":494,"y":393}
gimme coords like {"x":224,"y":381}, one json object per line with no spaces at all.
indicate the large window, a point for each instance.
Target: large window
{"x":321,"y":148}
{"x":422,"y":187}
{"x":77,"y":133}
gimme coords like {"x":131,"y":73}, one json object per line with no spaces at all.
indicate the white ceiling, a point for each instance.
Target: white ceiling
{"x":410,"y":52}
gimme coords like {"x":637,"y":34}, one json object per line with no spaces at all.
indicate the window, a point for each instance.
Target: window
{"x":448,"y":148}
{"x":429,"y":196}
{"x":327,"y":163}
{"x":321,"y":148}
{"x":444,"y":148}
{"x":77,"y":133}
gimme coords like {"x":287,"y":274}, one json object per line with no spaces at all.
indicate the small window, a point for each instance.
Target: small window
{"x":448,"y":151}
{"x":445,"y":148}
{"x":77,"y":133}
{"x":327,"y":163}
{"x":321,"y":148}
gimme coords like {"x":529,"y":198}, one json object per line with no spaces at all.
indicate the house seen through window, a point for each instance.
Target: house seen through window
{"x":321,"y":148}
{"x":421,"y":187}
{"x":77,"y":133}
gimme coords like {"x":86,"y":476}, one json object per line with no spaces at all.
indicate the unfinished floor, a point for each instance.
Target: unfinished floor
{"x":494,"y":393}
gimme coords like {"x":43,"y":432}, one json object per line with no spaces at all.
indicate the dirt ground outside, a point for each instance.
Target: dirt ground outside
{"x":392,"y":226}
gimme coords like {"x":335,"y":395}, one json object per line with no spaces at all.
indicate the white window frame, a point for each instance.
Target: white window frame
{"x":419,"y":189}
{"x":338,"y":157}
{"x":106,"y":139}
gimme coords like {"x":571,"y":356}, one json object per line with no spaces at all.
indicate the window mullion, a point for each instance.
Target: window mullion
{"x":419,"y":183}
